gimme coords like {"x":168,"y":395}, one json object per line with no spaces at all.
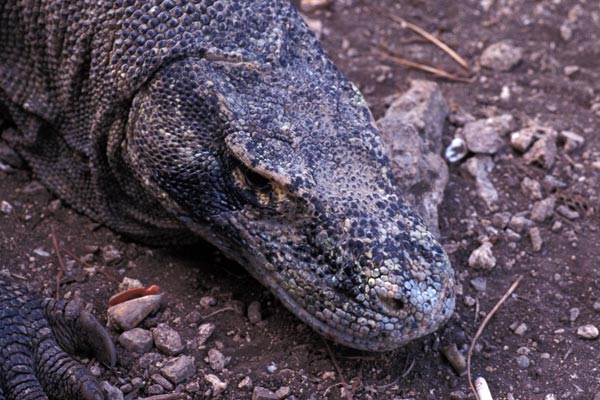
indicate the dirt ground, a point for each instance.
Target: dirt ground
{"x":556,"y":83}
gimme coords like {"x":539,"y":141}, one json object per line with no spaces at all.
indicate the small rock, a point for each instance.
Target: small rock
{"x":110,"y":254}
{"x":193,"y":318}
{"x":137,"y":340}
{"x":536,"y":238}
{"x":129,"y":283}
{"x":469,"y":301}
{"x":455,"y":358}
{"x":167,"y":340}
{"x":531,"y":188}
{"x":128,"y":315}
{"x":54,"y":205}
{"x":245,"y":383}
{"x":566,"y":32}
{"x":518,"y":223}
{"x":500,"y":219}
{"x":485,"y":136}
{"x":570,"y":140}
{"x":283,"y":392}
{"x":216,"y":360}
{"x":543,"y":209}
{"x":218,"y":386}
{"x":254,"y":312}
{"x":178,"y":369}
{"x":162,"y":381}
{"x":41,"y":252}
{"x":458,"y":395}
{"x":570,"y":70}
{"x":520,"y":329}
{"x":6,"y":207}
{"x":567,"y":212}
{"x":482,"y":257}
{"x":501,"y":56}
{"x":480,"y":167}
{"x":522,"y":139}
{"x":512,"y":236}
{"x":271,"y":368}
{"x":204,"y":332}
{"x":574,"y":314}
{"x":208,"y":301}
{"x":523,"y":361}
{"x":456,"y":150}
{"x":587,"y":332}
{"x":543,"y":151}
{"x":596,"y":306}
{"x":261,"y":393}
{"x":154,"y":389}
{"x":112,"y":393}
{"x":479,"y":284}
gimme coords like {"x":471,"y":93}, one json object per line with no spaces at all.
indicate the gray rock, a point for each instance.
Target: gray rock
{"x":208,"y":301}
{"x":536,"y":239}
{"x":110,"y":254}
{"x":217,"y":386}
{"x":480,"y":167}
{"x":245,"y":383}
{"x":216,"y":359}
{"x":112,"y":393}
{"x":567,"y":212}
{"x":543,"y":209}
{"x":154,"y":389}
{"x":137,"y":340}
{"x":587,"y":332}
{"x":412,"y":135}
{"x":254,"y":312}
{"x":479,"y":284}
{"x":486,"y":136}
{"x":543,"y":151}
{"x":10,"y":157}
{"x":574,"y":314}
{"x":500,"y":219}
{"x":522,"y":139}
{"x":501,"y":56}
{"x":167,"y":340}
{"x":531,"y":188}
{"x":482,"y":257}
{"x":523,"y":361}
{"x":261,"y":393}
{"x":520,"y":329}
{"x":456,"y":150}
{"x":6,"y":207}
{"x":204,"y":332}
{"x":128,"y":315}
{"x":456,"y":359}
{"x":162,"y":381}
{"x":179,"y":369}
{"x":283,"y":392}
{"x":518,"y":223}
{"x":570,"y":140}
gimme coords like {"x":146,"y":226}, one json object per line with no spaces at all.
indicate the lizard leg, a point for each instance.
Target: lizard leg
{"x":34,"y":335}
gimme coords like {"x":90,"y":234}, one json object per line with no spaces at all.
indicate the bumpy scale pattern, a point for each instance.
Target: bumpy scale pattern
{"x":168,"y":119}
{"x":32,"y":365}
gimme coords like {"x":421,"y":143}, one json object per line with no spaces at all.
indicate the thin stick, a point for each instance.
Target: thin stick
{"x":218,"y":312}
{"x":482,"y":327}
{"x":432,"y":39}
{"x":423,"y":67}
{"x":61,"y":265}
{"x":339,"y":371}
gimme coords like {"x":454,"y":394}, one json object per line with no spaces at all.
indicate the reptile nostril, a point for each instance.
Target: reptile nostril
{"x":392,"y":304}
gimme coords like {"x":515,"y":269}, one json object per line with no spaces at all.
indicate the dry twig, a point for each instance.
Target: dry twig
{"x":61,"y":265}
{"x":339,"y":371}
{"x":87,"y":265}
{"x":482,"y":327}
{"x":423,"y":67}
{"x":455,"y":56}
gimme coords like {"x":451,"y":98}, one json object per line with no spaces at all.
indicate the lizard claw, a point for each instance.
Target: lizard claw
{"x":36,"y":338}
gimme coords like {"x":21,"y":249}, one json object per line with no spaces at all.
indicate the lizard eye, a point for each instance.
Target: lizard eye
{"x":252,"y":180}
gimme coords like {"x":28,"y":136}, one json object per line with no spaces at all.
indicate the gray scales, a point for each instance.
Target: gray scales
{"x":174,"y":120}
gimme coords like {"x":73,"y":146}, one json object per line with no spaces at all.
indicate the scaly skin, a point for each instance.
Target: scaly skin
{"x":225,"y":120}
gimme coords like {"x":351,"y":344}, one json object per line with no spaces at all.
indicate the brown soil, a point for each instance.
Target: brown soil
{"x":564,"y":275}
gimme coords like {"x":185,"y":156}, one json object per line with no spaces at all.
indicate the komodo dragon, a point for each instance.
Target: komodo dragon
{"x":168,"y":120}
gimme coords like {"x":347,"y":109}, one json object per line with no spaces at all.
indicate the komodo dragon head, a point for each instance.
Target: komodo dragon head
{"x":266,"y":150}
